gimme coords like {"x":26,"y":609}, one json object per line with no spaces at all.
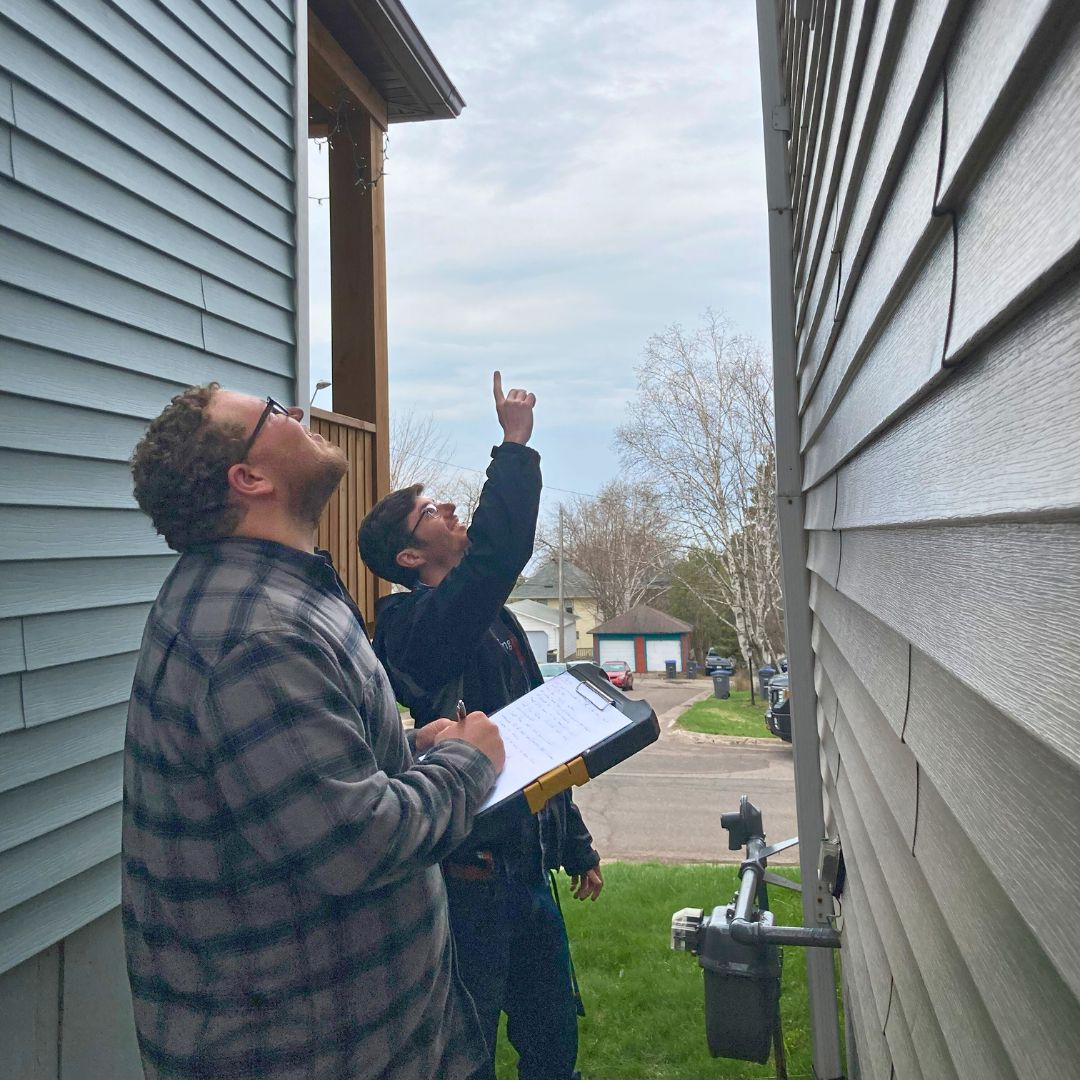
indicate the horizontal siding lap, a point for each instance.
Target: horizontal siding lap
{"x":62,"y":229}
{"x":874,"y":1060}
{"x":998,"y":45}
{"x":66,"y":690}
{"x":254,"y":125}
{"x":30,"y":266}
{"x":821,"y":505}
{"x":820,"y":233}
{"x":954,"y":998}
{"x":1015,"y":577}
{"x":47,"y":480}
{"x":912,"y":85}
{"x":59,"y":798}
{"x":878,"y":654}
{"x":98,"y":152}
{"x":1018,"y":229}
{"x":995,"y":440}
{"x":7,"y":164}
{"x":41,"y":864}
{"x":36,"y":753}
{"x":217,"y":167}
{"x":268,"y":37}
{"x":272,"y":111}
{"x":247,"y":346}
{"x":72,"y":532}
{"x":902,"y":363}
{"x":134,"y":213}
{"x":96,"y":77}
{"x":986,"y":767}
{"x":276,"y":22}
{"x":91,"y":434}
{"x":907,"y":233}
{"x":248,"y":311}
{"x":77,"y":336}
{"x":899,"y":1041}
{"x":33,"y":588}
{"x":1034,"y":1012}
{"x":44,"y":920}
{"x":275,"y":85}
{"x":872,"y":897}
{"x":7,"y":105}
{"x":69,"y":636}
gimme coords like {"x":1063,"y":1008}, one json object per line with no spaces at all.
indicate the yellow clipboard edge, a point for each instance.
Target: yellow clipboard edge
{"x":572,"y":774}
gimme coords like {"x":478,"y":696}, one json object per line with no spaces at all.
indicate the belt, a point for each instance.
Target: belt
{"x":481,"y":867}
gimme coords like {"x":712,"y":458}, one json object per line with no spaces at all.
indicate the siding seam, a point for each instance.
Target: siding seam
{"x":907,"y":695}
{"x":888,"y":1008}
{"x":60,"y":1010}
{"x":915,"y":825}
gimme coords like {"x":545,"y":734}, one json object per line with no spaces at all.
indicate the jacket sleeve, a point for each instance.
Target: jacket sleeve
{"x":431,"y":639}
{"x":578,"y":852}
{"x":290,"y":756}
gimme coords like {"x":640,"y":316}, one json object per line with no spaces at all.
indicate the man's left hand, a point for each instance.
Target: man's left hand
{"x":587,"y":886}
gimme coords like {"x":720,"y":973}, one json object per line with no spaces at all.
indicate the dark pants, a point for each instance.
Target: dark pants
{"x":513,"y":956}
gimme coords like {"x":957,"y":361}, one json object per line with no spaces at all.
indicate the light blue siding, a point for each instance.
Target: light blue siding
{"x":147,"y":193}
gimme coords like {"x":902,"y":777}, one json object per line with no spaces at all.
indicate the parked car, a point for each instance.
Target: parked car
{"x":591,"y":664}
{"x":618,"y":671}
{"x":549,"y":671}
{"x":778,"y":714}
{"x":715,"y":664}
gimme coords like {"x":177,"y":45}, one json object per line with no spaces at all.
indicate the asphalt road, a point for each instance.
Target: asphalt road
{"x":665,"y":802}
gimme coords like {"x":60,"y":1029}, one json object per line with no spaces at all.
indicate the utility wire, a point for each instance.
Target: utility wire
{"x":482,"y":472}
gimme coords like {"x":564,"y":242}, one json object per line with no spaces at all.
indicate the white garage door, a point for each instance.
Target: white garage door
{"x":614,"y":649}
{"x":659,"y":651}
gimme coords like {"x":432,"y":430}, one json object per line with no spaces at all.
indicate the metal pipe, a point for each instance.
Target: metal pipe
{"x":747,"y":932}
{"x":817,"y":904}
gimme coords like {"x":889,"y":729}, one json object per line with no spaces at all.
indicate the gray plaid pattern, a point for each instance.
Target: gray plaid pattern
{"x":284,"y":914}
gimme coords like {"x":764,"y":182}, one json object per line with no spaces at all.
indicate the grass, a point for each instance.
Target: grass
{"x":733,"y":716}
{"x":645,"y":1003}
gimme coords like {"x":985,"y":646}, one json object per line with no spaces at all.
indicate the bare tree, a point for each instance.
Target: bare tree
{"x":621,"y":540}
{"x":701,"y":431}
{"x":418,"y":452}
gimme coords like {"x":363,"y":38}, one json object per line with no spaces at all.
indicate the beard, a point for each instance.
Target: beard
{"x":312,"y":492}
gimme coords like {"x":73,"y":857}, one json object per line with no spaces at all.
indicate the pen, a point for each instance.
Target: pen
{"x":461,"y":714}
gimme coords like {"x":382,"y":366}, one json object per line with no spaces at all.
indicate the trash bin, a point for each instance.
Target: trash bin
{"x":720,"y":685}
{"x":691,"y":670}
{"x":764,"y":675}
{"x":669,"y":667}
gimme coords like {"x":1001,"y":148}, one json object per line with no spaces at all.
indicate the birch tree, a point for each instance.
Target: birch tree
{"x":700,"y":431}
{"x":621,"y":540}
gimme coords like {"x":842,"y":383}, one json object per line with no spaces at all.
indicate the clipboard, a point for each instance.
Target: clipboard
{"x":592,"y":690}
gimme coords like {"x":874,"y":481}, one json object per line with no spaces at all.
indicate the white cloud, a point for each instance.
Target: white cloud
{"x":605,"y":180}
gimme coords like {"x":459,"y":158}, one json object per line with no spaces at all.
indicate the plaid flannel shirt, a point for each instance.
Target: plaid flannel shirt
{"x":284,"y":913}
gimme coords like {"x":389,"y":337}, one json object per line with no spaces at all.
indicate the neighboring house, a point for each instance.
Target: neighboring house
{"x":153,"y":196}
{"x":925,"y":242}
{"x":543,"y":587}
{"x":645,"y":638}
{"x":541,"y":623}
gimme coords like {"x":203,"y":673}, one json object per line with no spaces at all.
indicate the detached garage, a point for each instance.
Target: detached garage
{"x":645,"y":638}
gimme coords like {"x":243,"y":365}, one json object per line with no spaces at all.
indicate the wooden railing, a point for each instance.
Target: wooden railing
{"x":352,"y":500}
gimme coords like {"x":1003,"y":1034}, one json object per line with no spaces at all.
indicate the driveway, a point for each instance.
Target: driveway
{"x":665,"y":802}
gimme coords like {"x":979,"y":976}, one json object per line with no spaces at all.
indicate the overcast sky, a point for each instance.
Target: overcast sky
{"x":604,"y":180}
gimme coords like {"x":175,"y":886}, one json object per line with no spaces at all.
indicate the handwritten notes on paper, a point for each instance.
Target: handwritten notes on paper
{"x":550,"y":726}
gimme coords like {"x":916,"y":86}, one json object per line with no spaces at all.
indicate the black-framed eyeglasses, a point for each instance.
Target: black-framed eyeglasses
{"x":429,"y":511}
{"x":272,"y":407}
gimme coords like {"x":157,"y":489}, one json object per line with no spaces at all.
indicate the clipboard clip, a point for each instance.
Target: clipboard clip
{"x":588,"y":686}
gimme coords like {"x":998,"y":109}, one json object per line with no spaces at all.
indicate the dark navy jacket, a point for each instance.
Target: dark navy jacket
{"x":459,"y":641}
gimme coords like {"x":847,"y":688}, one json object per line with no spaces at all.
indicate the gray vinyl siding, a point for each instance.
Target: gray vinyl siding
{"x":933,"y":166}
{"x":147,"y":201}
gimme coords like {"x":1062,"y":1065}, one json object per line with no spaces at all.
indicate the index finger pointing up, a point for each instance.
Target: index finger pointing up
{"x":499,"y":397}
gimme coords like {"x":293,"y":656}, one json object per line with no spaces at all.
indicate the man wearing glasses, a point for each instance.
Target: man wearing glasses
{"x":284,"y":912}
{"x":450,"y":637}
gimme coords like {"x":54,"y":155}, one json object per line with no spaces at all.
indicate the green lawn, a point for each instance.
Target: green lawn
{"x":645,"y":1003}
{"x":733,"y":716}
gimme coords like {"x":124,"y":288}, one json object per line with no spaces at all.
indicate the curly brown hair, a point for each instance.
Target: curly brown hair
{"x":181,"y":466}
{"x":383,"y":534}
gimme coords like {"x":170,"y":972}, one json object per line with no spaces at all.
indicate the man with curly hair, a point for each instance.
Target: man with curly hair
{"x":283,"y":907}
